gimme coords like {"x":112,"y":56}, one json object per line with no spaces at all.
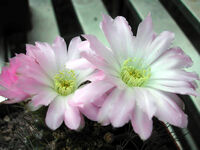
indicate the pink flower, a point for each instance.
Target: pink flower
{"x":9,"y":81}
{"x":52,"y":76}
{"x":142,"y":73}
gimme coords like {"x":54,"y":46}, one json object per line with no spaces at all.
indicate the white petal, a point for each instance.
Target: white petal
{"x":173,"y":75}
{"x":141,"y":123}
{"x":122,"y":108}
{"x":83,"y":74}
{"x":144,"y":37}
{"x":145,"y":101}
{"x":90,"y":111}
{"x":159,"y":45}
{"x":55,"y":113}
{"x":175,"y":58}
{"x":89,"y":92}
{"x":72,"y":117}
{"x":44,"y":97}
{"x":107,"y":107}
{"x":45,"y":56}
{"x":80,"y":63}
{"x":119,"y":34}
{"x":173,"y":86}
{"x":73,"y":50}
{"x":168,"y":110}
{"x":60,"y":51}
{"x":102,"y":51}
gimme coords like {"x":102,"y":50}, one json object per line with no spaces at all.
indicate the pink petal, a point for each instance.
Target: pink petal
{"x":90,"y":111}
{"x":89,"y":92}
{"x":168,"y":110}
{"x":122,"y":108}
{"x":144,"y":37}
{"x":9,"y":80}
{"x":44,"y":97}
{"x":173,"y":86}
{"x":80,"y":63}
{"x":99,"y":63}
{"x":73,"y":50}
{"x":174,"y":98}
{"x":175,"y":58}
{"x":82,"y":75}
{"x":102,"y":51}
{"x":107,"y":107}
{"x":141,"y":123}
{"x":100,"y":100}
{"x":119,"y":35}
{"x":8,"y":76}
{"x":31,"y":50}
{"x":96,"y":59}
{"x":159,"y":45}
{"x":45,"y":56}
{"x":174,"y":75}
{"x":97,"y":75}
{"x":145,"y":101}
{"x":33,"y":70}
{"x":55,"y":113}
{"x":30,"y":86}
{"x":60,"y":51}
{"x":72,"y":117}
{"x":14,"y":95}
{"x":115,"y":80}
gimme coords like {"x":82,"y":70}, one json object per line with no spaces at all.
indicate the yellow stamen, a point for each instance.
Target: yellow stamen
{"x":133,"y":74}
{"x":65,"y":82}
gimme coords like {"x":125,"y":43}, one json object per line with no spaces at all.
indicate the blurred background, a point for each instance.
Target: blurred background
{"x":27,"y":21}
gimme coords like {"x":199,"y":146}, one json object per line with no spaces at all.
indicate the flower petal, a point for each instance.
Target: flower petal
{"x":168,"y":110}
{"x":121,"y":108}
{"x":33,"y":70}
{"x":144,"y":37}
{"x":145,"y":101}
{"x":89,"y":92}
{"x":73,"y":49}
{"x":55,"y":113}
{"x":14,"y":95}
{"x":83,"y":74}
{"x":80,"y":63}
{"x":141,"y":123}
{"x":72,"y":117}
{"x":45,"y":56}
{"x":99,"y":63}
{"x":175,"y":58}
{"x":44,"y":97}
{"x":173,"y":75}
{"x":100,"y":100}
{"x":60,"y":51}
{"x":90,"y":111}
{"x":107,"y":107}
{"x":102,"y":51}
{"x":119,"y":35}
{"x":30,"y":86}
{"x":96,"y":75}
{"x":173,"y":86}
{"x":159,"y":45}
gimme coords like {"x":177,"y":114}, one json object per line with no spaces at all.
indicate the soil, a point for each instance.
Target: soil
{"x":23,"y":130}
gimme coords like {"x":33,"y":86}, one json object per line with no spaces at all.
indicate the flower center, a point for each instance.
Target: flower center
{"x":65,"y":82}
{"x":133,"y":74}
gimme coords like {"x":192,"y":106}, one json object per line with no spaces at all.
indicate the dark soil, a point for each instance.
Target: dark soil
{"x":23,"y":130}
